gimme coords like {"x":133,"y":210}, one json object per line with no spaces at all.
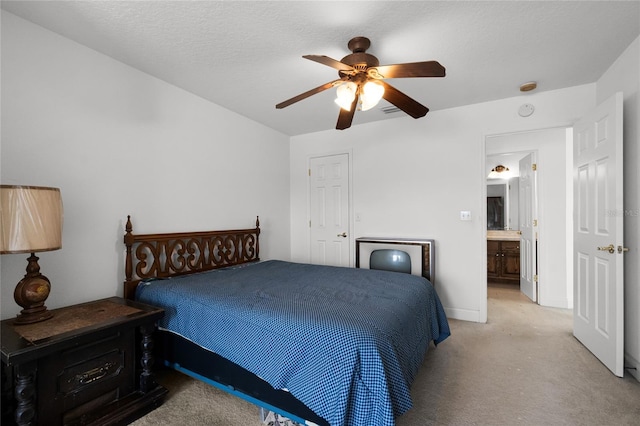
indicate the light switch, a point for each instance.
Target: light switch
{"x":465,"y":215}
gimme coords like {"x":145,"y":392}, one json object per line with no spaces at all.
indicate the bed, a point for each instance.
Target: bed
{"x":318,"y":344}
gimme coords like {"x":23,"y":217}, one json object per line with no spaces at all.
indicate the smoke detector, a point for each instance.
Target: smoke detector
{"x":526,"y":110}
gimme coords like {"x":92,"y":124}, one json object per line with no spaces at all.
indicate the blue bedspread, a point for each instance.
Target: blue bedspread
{"x":346,"y":342}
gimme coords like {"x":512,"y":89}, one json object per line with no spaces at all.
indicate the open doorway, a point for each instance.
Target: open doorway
{"x":511,"y":227}
{"x":553,"y":240}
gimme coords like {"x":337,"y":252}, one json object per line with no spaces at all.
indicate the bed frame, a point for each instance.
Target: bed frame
{"x":151,"y":256}
{"x":182,"y":253}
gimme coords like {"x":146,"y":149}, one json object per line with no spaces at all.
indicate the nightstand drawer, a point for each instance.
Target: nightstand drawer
{"x":91,"y":372}
{"x":88,"y":366}
{"x":96,"y":370}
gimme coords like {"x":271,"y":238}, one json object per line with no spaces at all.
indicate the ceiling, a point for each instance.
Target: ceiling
{"x":247,"y":56}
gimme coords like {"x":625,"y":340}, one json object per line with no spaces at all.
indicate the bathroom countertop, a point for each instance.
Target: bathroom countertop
{"x":509,"y":235}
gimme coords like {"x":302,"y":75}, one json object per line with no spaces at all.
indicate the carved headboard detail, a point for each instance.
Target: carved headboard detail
{"x":182,"y":253}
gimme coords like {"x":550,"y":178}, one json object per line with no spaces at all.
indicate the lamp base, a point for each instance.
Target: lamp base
{"x":31,"y":293}
{"x":25,"y":317}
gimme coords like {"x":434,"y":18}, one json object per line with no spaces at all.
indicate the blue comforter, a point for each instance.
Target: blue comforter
{"x":346,"y":342}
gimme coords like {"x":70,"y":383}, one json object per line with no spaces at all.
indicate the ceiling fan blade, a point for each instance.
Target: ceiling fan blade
{"x":404,"y":102}
{"x":325,"y":60}
{"x":346,"y":117}
{"x":413,"y":69}
{"x":306,"y":94}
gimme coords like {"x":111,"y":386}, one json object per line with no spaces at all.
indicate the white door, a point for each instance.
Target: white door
{"x":329,"y":210}
{"x":598,"y":232}
{"x":528,"y":218}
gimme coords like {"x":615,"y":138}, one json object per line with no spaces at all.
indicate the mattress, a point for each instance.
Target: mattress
{"x":346,"y":342}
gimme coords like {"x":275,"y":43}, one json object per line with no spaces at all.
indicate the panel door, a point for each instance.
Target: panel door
{"x":493,"y":259}
{"x":329,"y":210}
{"x":528,"y":211}
{"x":511,"y":259}
{"x":598,"y":288}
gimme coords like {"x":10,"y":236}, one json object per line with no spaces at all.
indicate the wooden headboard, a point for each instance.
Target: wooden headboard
{"x":182,"y":253}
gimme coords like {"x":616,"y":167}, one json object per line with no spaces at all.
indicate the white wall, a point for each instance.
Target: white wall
{"x":411,"y":178}
{"x":116,"y":142}
{"x":624,"y":75}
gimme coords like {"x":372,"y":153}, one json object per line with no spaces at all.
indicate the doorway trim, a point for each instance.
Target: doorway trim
{"x":553,"y":233}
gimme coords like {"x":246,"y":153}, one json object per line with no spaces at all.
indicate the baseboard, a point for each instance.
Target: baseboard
{"x":554,"y":303}
{"x":463,"y":314}
{"x":632,"y":366}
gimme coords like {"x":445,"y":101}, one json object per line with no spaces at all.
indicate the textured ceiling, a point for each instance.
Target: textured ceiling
{"x":247,"y":56}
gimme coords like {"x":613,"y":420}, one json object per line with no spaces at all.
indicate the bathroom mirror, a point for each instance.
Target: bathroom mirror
{"x":502,"y":204}
{"x":503,"y":180}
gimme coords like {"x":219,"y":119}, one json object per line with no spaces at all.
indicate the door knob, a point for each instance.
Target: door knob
{"x":610,"y":248}
{"x":343,"y":235}
{"x":622,"y":249}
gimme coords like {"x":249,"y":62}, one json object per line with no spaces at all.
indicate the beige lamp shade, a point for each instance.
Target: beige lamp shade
{"x":31,"y":219}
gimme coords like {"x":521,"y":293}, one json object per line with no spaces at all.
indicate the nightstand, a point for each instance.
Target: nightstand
{"x":89,"y":364}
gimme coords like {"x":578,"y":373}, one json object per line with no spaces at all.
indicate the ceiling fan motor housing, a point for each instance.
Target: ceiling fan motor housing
{"x":359,"y":44}
{"x":359,"y":59}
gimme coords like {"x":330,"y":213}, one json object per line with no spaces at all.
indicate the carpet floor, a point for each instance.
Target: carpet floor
{"x":523,"y":367}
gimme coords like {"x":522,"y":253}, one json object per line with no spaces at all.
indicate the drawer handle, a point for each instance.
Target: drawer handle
{"x":94,"y":374}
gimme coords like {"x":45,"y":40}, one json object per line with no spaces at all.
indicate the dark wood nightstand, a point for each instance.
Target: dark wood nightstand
{"x":89,"y":364}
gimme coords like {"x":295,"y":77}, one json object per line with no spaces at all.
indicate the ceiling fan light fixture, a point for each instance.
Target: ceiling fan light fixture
{"x":346,"y":93}
{"x":372,"y":92}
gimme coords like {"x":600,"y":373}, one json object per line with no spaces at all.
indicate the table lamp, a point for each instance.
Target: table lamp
{"x":30,"y":222}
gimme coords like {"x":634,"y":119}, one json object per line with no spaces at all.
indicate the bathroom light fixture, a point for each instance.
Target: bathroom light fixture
{"x":499,"y":172}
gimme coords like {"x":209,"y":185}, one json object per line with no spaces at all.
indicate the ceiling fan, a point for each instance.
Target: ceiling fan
{"x":362,"y":81}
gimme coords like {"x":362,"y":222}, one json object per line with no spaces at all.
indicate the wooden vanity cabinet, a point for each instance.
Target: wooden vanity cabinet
{"x":503,"y":261}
